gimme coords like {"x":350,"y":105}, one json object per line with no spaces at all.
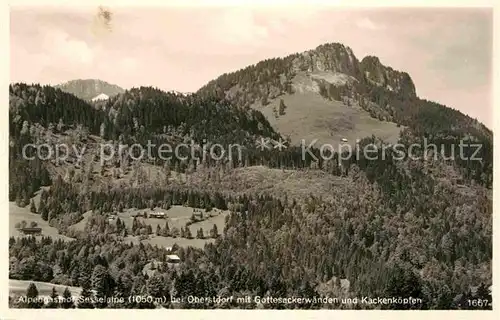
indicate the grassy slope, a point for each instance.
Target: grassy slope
{"x":17,"y":214}
{"x":19,"y":287}
{"x":309,"y":116}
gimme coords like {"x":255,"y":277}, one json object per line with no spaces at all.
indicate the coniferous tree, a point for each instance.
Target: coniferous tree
{"x":199,"y":234}
{"x":102,"y":284}
{"x":32,"y":297}
{"x":86,"y":300}
{"x":484,"y":295}
{"x":67,"y":302}
{"x":54,"y":299}
{"x":282,"y":108}
{"x":214,"y":233}
{"x":32,"y":206}
{"x":188,"y":233}
{"x":404,"y":283}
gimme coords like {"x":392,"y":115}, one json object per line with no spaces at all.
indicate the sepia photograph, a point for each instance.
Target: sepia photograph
{"x":304,"y":157}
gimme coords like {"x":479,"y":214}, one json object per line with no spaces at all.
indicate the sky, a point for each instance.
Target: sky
{"x":446,"y":51}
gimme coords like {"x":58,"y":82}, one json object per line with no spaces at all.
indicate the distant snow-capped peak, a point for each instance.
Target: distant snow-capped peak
{"x":180,"y":92}
{"x":101,"y":96}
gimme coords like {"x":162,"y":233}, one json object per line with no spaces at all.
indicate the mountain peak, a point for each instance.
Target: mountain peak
{"x":334,"y":57}
{"x":335,"y":61}
{"x":89,"y":89}
{"x":377,"y":73}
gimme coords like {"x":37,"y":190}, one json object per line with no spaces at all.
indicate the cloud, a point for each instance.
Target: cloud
{"x":128,"y":63}
{"x":238,"y":26}
{"x":59,"y":45}
{"x":365,"y":23}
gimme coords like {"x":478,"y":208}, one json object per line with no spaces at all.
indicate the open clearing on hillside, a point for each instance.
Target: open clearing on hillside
{"x":19,"y":287}
{"x":296,"y":184}
{"x":177,"y":217}
{"x":309,"y":116}
{"x":18,"y":214}
{"x":219,"y":220}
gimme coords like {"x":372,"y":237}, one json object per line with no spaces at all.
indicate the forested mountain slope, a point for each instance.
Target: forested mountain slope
{"x":352,"y":92}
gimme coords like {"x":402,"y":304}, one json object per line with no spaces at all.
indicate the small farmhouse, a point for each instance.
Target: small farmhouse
{"x":198,"y":214}
{"x":173,"y":258}
{"x":158,"y":215}
{"x":31,"y":230}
